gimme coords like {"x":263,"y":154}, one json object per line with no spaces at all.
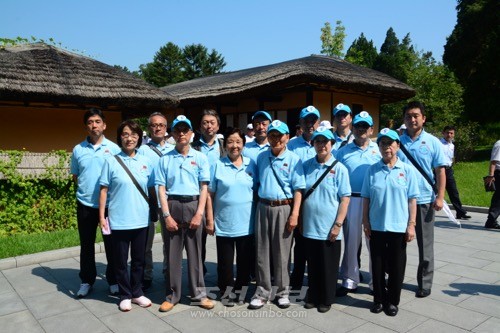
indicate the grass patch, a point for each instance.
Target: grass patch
{"x":469,"y":177}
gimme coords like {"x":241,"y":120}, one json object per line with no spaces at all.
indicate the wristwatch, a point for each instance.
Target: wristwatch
{"x":165,"y":215}
{"x":339,"y":224}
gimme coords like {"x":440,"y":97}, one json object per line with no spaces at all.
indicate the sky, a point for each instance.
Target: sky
{"x":246,"y":33}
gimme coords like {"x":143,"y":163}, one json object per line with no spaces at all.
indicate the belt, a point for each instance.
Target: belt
{"x":183,"y":198}
{"x":274,"y":203}
{"x":356,"y":195}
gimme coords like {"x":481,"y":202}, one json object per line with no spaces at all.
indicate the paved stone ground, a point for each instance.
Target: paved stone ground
{"x":40,"y":296}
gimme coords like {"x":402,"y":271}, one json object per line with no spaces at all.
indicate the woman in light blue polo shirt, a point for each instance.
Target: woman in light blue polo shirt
{"x":323,"y":213}
{"x":232,"y":190}
{"x":128,"y":212}
{"x":389,"y":195}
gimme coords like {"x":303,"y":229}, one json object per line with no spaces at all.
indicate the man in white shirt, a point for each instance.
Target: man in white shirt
{"x":494,"y":177}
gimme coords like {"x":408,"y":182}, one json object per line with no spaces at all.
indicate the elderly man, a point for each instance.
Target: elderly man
{"x":87,"y":161}
{"x":260,"y":122}
{"x":342,"y":118}
{"x":182,"y":177}
{"x":154,"y":149}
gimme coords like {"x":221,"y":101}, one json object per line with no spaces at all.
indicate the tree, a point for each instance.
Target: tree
{"x":171,"y":64}
{"x":471,"y":51}
{"x":362,"y":52}
{"x":333,"y":44}
{"x":394,"y":58}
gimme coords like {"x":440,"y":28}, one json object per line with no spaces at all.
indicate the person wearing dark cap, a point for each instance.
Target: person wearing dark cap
{"x":260,"y":123}
{"x":389,"y":192}
{"x":357,"y":156}
{"x":182,"y":176}
{"x":342,"y":118}
{"x":281,"y":181}
{"x":308,"y":121}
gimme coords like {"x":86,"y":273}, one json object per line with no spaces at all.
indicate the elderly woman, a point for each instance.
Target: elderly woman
{"x":232,"y":190}
{"x":389,"y":195}
{"x":128,"y":212}
{"x":324,"y":209}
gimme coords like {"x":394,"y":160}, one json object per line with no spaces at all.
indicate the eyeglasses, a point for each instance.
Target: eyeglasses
{"x":130,"y":135}
{"x":157,"y":125}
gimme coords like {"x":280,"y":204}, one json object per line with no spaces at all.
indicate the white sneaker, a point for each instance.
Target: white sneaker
{"x":84,"y":290}
{"x":256,"y":303}
{"x":125,"y":305}
{"x":142,"y":301}
{"x":283,"y":302}
{"x":114,"y":290}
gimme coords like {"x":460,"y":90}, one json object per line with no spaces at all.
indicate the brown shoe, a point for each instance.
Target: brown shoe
{"x":166,"y":306}
{"x":206,"y":304}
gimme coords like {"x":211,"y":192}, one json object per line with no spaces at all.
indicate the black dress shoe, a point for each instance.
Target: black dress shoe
{"x":343,"y":291}
{"x":309,"y":305}
{"x":463,"y":217}
{"x":421,"y":293}
{"x":377,"y":308}
{"x":391,"y":310}
{"x":492,"y":225}
{"x":324,"y":308}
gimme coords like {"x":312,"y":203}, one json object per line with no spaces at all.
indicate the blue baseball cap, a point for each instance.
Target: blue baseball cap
{"x":279,"y":126}
{"x":363,"y":116}
{"x":309,"y":111}
{"x":181,"y":119}
{"x":341,"y":107}
{"x":265,"y":114}
{"x":323,"y":131}
{"x":387,"y":132}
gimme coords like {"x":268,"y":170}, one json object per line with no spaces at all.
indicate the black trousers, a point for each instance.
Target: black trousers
{"x":225,"y":259}
{"x":88,"y":220}
{"x":323,"y":258}
{"x":451,"y":188}
{"x":494,"y":210}
{"x":135,"y":240}
{"x":388,"y":254}
{"x":299,"y":260}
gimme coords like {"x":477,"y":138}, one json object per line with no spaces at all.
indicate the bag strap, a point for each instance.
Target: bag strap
{"x":278,"y":178}
{"x":418,"y":167}
{"x":310,"y":191}
{"x":144,"y":195}
{"x":156,"y":150}
{"x":346,"y":141}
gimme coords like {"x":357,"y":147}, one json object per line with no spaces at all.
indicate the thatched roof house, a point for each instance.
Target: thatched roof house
{"x":287,"y":86}
{"x":48,"y":89}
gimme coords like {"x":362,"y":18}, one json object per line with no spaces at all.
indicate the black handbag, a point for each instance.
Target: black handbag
{"x":489,"y":186}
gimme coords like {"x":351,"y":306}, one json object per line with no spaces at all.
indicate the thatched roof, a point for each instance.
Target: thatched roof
{"x":44,"y":73}
{"x":314,"y":70}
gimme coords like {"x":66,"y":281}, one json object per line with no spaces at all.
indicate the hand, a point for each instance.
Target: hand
{"x":103,"y":224}
{"x":367,"y":229}
{"x":292,"y":222}
{"x":195,"y":221}
{"x":410,"y":233}
{"x":209,"y":228}
{"x":170,"y":224}
{"x":489,"y":180}
{"x":438,"y":204}
{"x":334,"y":232}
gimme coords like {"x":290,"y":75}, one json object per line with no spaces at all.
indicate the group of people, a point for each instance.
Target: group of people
{"x":259,"y":198}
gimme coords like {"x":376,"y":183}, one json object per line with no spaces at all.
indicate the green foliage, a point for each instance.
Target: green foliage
{"x":362,"y":52}
{"x":333,"y":44}
{"x":471,"y":51}
{"x":171,"y":64}
{"x":35,"y":204}
{"x":395,"y":58}
{"x":469,"y":177}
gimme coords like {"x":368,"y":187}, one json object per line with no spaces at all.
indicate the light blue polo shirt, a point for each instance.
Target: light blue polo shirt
{"x":357,"y":161}
{"x":389,"y":191}
{"x":154,"y":158}
{"x":233,"y":202}
{"x":211,"y":152}
{"x":428,"y":152}
{"x":127,"y":208}
{"x":87,"y":161}
{"x":288,"y":167}
{"x":320,"y":209}
{"x":181,"y":175}
{"x":302,"y":148}
{"x":253,"y":149}
{"x":339,"y":140}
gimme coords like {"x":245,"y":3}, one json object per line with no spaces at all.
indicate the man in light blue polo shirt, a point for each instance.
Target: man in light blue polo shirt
{"x":308,"y":121}
{"x":86,"y":164}
{"x":357,"y":156}
{"x":428,"y":153}
{"x":281,"y":179}
{"x":153,"y":150}
{"x":260,"y":122}
{"x":342,"y":119}
{"x":182,"y":175}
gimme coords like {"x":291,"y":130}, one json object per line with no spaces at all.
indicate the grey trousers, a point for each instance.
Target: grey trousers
{"x":182,"y":212}
{"x":425,"y":240}
{"x":273,"y":244}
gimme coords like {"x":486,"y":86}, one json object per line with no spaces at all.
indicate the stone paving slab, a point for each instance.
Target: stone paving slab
{"x":37,"y":294}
